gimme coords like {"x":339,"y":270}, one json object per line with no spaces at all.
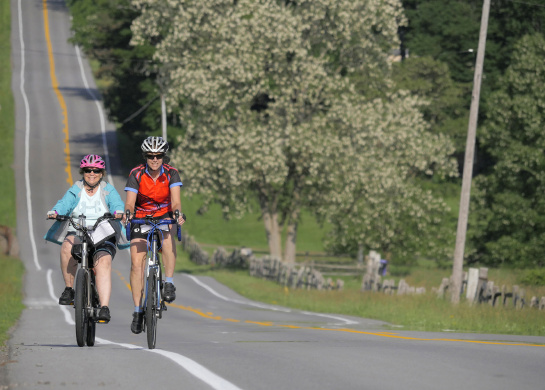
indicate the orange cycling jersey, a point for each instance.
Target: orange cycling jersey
{"x":153,"y":196}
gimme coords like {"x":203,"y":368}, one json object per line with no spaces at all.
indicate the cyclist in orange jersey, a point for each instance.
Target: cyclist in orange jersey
{"x":153,"y":189}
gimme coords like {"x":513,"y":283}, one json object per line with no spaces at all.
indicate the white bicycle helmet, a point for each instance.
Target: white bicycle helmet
{"x":154,"y":145}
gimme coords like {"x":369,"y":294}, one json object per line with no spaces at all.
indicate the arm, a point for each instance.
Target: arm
{"x":130,"y":201}
{"x":176,"y":202}
{"x":66,"y":204}
{"x":115,"y":204}
{"x":131,"y":189}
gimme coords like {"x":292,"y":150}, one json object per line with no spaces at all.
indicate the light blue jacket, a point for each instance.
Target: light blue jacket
{"x":109,"y":197}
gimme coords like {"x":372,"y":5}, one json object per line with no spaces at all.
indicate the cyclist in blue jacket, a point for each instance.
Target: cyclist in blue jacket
{"x":92,"y":197}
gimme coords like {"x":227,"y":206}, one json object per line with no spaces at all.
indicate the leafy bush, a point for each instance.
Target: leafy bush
{"x":535,"y":277}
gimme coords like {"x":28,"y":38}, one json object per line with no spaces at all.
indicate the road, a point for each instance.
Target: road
{"x":210,"y":338}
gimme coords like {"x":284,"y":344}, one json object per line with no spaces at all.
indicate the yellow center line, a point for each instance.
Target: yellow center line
{"x":385,"y":334}
{"x":62,"y":103}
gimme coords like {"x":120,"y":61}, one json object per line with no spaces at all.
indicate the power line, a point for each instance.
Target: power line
{"x":140,"y":110}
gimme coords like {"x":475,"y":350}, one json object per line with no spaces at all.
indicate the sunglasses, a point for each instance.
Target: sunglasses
{"x":87,"y":170}
{"x":155,"y":156}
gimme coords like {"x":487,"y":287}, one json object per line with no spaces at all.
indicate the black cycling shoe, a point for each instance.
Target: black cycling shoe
{"x":169,"y":294}
{"x":104,"y":314}
{"x":67,"y":296}
{"x":136,"y":326}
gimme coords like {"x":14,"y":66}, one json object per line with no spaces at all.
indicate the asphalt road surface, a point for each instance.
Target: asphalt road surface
{"x":210,"y":338}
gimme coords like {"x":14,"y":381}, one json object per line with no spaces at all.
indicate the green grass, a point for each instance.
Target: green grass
{"x":7,"y":121}
{"x":211,"y":229}
{"x":12,"y":269}
{"x":10,"y":294}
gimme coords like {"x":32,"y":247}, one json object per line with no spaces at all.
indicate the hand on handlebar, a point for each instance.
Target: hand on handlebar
{"x":126,"y":217}
{"x":180,"y":218}
{"x":52,"y":214}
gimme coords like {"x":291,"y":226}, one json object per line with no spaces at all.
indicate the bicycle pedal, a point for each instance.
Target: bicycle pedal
{"x":163,"y":306}
{"x":103,"y":321}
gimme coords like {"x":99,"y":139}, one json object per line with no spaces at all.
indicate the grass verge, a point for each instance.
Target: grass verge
{"x":12,"y":269}
{"x":7,"y":121}
{"x":10,"y":294}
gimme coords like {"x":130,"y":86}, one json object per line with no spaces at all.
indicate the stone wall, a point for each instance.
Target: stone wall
{"x":266,"y":267}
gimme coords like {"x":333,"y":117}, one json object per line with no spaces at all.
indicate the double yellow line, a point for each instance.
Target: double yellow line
{"x":62,"y":103}
{"x":390,"y":335}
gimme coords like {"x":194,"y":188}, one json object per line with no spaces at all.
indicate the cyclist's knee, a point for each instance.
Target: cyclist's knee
{"x":102,"y":259}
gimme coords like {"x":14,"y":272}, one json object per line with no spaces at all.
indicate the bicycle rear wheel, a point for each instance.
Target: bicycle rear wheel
{"x":151,"y":308}
{"x":80,"y":303}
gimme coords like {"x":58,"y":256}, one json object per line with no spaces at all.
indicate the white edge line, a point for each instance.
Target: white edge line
{"x":199,"y":371}
{"x":191,"y":366}
{"x":27,"y":141}
{"x":264,"y":306}
{"x":64,"y":309}
{"x":249,"y":303}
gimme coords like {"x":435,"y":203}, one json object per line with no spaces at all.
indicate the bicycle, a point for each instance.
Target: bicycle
{"x":153,"y":303}
{"x":86,"y":299}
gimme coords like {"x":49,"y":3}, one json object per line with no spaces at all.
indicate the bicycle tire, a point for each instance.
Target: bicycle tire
{"x":91,"y":331}
{"x":151,"y":309}
{"x":160,"y":304}
{"x":80,"y":303}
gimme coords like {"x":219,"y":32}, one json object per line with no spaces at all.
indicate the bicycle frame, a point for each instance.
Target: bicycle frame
{"x":85,"y":264}
{"x":153,"y":261}
{"x":152,"y":303}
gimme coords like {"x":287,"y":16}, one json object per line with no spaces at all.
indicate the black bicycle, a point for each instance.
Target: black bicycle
{"x":153,"y":303}
{"x":86,"y":299}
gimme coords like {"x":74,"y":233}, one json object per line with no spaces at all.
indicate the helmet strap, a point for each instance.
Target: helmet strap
{"x":89,"y":185}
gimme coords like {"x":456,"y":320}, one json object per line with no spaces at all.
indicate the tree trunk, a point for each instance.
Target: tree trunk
{"x":270,"y":219}
{"x":291,"y":239}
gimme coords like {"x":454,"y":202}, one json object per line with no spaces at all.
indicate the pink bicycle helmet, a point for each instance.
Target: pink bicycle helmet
{"x":92,"y":161}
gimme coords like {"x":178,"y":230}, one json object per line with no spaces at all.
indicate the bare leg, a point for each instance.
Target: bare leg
{"x":138,"y":254}
{"x":169,"y":252}
{"x":68,"y":264}
{"x":103,"y":276}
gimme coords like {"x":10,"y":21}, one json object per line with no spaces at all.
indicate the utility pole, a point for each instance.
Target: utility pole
{"x":458,"y":265}
{"x":164,"y":116}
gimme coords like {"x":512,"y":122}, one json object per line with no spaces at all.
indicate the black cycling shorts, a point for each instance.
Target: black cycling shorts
{"x":108,"y":246}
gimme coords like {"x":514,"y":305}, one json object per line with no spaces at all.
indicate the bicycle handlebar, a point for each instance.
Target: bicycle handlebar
{"x":81,"y":228}
{"x":148,"y":220}
{"x":77,"y":226}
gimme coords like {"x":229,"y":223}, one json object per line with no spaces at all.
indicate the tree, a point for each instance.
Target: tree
{"x":509,"y":206}
{"x":274,"y":95}
{"x":444,"y":30}
{"x":444,"y":106}
{"x":102,"y":29}
{"x":378,"y":201}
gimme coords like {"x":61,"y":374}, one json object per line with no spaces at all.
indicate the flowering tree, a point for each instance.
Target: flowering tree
{"x":278,"y":96}
{"x":377,"y":201}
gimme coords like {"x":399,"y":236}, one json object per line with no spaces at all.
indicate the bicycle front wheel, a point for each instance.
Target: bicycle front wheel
{"x":91,"y":324}
{"x":151,"y":308}
{"x":80,"y":304}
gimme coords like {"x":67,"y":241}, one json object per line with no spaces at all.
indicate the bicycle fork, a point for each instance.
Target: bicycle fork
{"x":91,"y":289}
